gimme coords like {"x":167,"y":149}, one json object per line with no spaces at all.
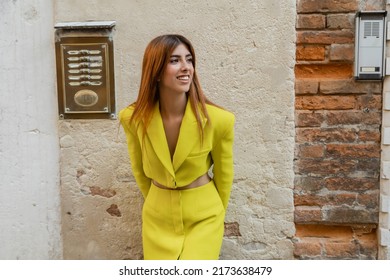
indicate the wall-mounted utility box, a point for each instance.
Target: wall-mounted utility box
{"x":370,"y":45}
{"x":85,"y":70}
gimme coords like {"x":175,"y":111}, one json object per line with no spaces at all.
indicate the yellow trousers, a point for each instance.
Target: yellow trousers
{"x":185,"y":225}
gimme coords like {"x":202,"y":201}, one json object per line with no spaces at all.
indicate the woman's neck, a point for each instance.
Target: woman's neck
{"x":173,"y":105}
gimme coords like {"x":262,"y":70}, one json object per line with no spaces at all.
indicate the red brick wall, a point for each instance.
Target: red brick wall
{"x":337,"y":153}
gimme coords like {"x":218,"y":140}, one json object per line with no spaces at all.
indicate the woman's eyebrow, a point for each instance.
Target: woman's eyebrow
{"x":178,"y":56}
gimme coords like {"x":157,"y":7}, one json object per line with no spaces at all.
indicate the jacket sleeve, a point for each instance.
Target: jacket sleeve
{"x":222,"y":154}
{"x":135,"y":153}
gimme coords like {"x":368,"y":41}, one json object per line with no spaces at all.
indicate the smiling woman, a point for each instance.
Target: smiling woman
{"x":175,"y":135}
{"x":175,"y":81}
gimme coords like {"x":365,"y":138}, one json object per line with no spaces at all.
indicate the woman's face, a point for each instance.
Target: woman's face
{"x":179,"y":71}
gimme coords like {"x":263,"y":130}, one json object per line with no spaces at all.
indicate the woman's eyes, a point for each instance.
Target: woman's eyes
{"x":174,"y":60}
{"x":177,"y":60}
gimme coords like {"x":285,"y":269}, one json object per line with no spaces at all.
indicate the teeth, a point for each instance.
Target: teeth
{"x":183,"y":78}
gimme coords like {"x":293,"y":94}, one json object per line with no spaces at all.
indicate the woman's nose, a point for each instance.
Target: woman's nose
{"x":185,"y":66}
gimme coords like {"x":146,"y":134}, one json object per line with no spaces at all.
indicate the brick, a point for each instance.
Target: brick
{"x":336,"y":199}
{"x":342,"y":52}
{"x":364,"y":232}
{"x":330,"y":199}
{"x":326,"y":167}
{"x":369,"y":102}
{"x":304,"y":214}
{"x":310,"y":151}
{"x":311,"y":6}
{"x":337,"y":233}
{"x":340,"y":21}
{"x":308,"y":119}
{"x":337,"y":167}
{"x":368,"y":250}
{"x":306,"y":86}
{"x":352,"y":117}
{"x":372,"y":5}
{"x":369,"y":135}
{"x":307,"y":248}
{"x":313,"y":21}
{"x":325,"y":102}
{"x":349,"y":86}
{"x":370,"y":166}
{"x":336,"y":242}
{"x":353,"y":150}
{"x":328,"y":71}
{"x":348,"y":215}
{"x":325,"y":37}
{"x":366,"y":238}
{"x":309,"y":200}
{"x":341,"y":250}
{"x":307,"y":184}
{"x":351,"y":184}
{"x":310,"y":53}
{"x":326,"y":135}
{"x":369,"y":200}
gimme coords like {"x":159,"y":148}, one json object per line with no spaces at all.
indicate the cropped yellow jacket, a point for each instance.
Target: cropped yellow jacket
{"x":150,"y":157}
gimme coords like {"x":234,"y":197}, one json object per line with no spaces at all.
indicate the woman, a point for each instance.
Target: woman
{"x":174,"y":136}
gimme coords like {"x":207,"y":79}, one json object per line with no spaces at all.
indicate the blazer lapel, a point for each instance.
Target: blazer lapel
{"x":188,"y":136}
{"x":158,"y":139}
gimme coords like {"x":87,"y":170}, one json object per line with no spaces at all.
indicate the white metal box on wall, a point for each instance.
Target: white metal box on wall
{"x":370,"y":45}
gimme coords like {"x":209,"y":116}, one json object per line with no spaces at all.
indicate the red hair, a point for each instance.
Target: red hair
{"x":156,"y":58}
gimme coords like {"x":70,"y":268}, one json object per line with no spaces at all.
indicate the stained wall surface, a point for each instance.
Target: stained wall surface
{"x":245,"y":61}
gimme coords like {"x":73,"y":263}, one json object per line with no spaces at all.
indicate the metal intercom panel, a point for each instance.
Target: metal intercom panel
{"x":85,"y":70}
{"x":370,"y":45}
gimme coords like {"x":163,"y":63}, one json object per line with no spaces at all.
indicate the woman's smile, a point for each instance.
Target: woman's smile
{"x":178,"y":73}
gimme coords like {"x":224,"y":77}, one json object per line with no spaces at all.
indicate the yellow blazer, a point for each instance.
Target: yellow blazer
{"x":151,"y":160}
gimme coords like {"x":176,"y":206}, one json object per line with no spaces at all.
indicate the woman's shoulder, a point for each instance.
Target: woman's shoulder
{"x":126,"y":113}
{"x":222,"y":120}
{"x":217,"y":113}
{"x":124,"y":117}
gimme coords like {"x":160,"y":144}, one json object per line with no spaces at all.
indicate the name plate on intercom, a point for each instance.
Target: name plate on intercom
{"x":85,"y":71}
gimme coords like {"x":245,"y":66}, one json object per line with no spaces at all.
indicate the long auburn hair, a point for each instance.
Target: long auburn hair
{"x":155,"y":60}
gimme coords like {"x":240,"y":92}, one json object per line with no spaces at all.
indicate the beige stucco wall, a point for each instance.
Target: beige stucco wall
{"x":245,"y":52}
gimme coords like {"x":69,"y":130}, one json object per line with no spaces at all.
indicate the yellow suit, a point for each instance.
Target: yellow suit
{"x":184,"y":224}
